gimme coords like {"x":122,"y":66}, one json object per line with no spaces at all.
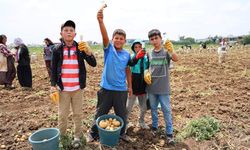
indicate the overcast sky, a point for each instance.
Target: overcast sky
{"x":34,"y":20}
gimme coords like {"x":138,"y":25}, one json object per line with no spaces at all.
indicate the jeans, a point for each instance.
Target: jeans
{"x":164,"y":101}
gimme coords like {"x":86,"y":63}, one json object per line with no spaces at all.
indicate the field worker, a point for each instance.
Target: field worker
{"x":138,"y":84}
{"x":7,"y":64}
{"x":47,"y":54}
{"x":69,"y":78}
{"x":222,"y":51}
{"x":114,"y":91}
{"x":157,"y":78}
{"x":24,"y":73}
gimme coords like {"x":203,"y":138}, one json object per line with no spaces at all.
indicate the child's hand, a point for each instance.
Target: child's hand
{"x":140,"y":54}
{"x":100,"y":15}
{"x":53,"y":89}
{"x":147,"y":77}
{"x":84,"y":47}
{"x":169,"y":46}
{"x":130,"y":92}
{"x":54,"y":95}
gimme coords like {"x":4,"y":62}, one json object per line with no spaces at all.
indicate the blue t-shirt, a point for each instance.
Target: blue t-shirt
{"x":114,"y":72}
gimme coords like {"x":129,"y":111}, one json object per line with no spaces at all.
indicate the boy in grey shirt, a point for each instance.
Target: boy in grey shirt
{"x":157,"y":78}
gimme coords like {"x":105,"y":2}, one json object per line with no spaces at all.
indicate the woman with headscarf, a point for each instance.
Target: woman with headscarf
{"x":23,"y":68}
{"x":7,"y":66}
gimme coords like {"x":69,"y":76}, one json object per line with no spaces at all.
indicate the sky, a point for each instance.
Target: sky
{"x":34,"y":20}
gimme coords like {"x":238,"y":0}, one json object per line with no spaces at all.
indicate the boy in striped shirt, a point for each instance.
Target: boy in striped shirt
{"x":69,"y":75}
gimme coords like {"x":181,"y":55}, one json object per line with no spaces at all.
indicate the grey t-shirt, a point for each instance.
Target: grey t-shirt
{"x":159,"y":69}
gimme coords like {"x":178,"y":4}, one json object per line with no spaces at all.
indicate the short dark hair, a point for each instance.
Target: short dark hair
{"x":120,"y":32}
{"x":68,"y":23}
{"x":154,"y":32}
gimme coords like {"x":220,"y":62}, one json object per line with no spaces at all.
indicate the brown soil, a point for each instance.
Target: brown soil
{"x":200,"y":86}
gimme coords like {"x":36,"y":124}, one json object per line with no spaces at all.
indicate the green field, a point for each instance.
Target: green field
{"x":98,"y":48}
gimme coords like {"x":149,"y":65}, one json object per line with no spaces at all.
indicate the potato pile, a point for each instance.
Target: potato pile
{"x":109,"y":124}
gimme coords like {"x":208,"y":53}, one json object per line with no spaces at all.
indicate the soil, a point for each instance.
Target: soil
{"x":200,"y":86}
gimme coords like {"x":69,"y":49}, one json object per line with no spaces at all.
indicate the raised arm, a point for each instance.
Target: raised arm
{"x":104,"y":33}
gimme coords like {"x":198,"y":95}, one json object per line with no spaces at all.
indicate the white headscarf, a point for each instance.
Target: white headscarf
{"x":18,"y":42}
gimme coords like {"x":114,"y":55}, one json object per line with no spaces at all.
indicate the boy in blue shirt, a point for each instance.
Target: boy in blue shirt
{"x":114,"y":91}
{"x":157,"y":78}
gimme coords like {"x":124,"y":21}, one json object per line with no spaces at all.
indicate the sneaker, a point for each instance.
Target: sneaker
{"x":143,"y":125}
{"x":89,"y":138}
{"x":126,"y":138}
{"x":26,"y":88}
{"x":9,"y":87}
{"x":130,"y":124}
{"x":154,"y":131}
{"x":76,"y":143}
{"x":170,"y":140}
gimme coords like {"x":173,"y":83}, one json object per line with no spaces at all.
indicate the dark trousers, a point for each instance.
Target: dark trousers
{"x":11,"y":73}
{"x":24,"y":75}
{"x":106,"y":100}
{"x":48,"y":67}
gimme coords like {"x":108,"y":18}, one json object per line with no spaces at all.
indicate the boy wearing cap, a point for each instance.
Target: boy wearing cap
{"x":69,"y":75}
{"x":157,"y":78}
{"x":114,"y":91}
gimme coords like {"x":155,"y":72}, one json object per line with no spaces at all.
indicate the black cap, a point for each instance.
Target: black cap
{"x":68,"y":23}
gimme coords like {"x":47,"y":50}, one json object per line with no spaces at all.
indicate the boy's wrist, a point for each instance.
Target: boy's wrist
{"x":100,"y":21}
{"x":170,"y":53}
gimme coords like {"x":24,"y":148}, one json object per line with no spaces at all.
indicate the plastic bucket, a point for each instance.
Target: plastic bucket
{"x":45,"y":139}
{"x":109,"y":138}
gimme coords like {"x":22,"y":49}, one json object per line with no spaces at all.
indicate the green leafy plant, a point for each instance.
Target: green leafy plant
{"x":66,"y":141}
{"x":201,"y":129}
{"x":53,"y":117}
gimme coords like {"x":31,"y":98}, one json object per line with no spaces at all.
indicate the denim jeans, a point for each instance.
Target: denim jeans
{"x":164,"y":101}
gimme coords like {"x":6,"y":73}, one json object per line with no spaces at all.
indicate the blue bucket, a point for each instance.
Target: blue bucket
{"x":109,"y":138}
{"x":45,"y":139}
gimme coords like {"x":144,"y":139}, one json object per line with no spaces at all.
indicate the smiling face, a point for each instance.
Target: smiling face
{"x":118,"y":41}
{"x":68,"y":34}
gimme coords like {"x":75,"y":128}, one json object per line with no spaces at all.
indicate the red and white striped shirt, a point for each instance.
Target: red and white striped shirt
{"x":70,"y":70}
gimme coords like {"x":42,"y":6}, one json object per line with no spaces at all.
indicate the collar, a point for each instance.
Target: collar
{"x":74,"y":44}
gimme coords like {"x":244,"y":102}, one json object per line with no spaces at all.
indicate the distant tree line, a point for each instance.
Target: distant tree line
{"x":246,"y":39}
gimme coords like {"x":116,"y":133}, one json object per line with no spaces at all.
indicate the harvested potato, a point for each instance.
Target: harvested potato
{"x":109,"y":124}
{"x":116,"y":123}
{"x":3,"y":146}
{"x":103,"y":124}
